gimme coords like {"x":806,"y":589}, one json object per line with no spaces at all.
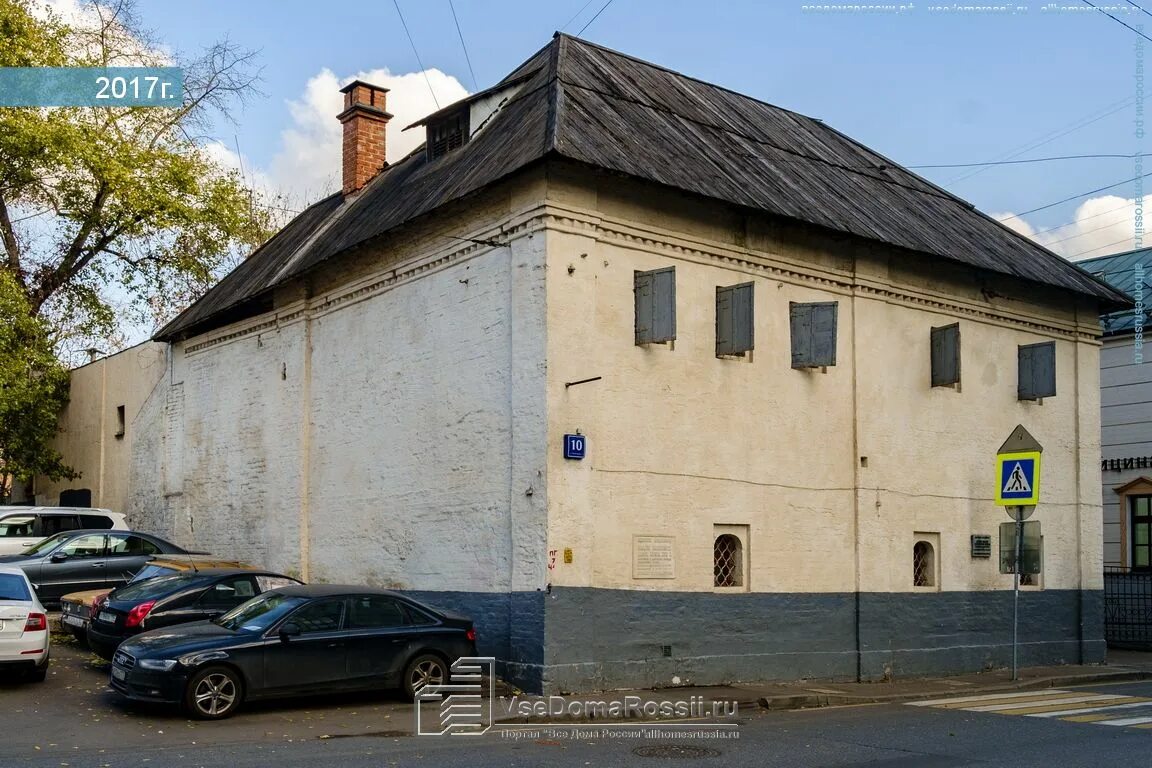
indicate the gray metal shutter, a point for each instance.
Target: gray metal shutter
{"x":800,"y":321}
{"x":664,"y":325}
{"x":655,"y":293}
{"x":1037,"y":371}
{"x":946,"y":355}
{"x":824,"y":333}
{"x":724,"y":345}
{"x":644,"y":290}
{"x":734,"y":319}
{"x":813,"y":334}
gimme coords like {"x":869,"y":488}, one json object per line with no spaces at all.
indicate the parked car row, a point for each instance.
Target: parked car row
{"x":209,"y":634}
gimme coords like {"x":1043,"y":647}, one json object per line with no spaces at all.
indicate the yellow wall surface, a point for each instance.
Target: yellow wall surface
{"x":835,"y":472}
{"x":89,"y":424}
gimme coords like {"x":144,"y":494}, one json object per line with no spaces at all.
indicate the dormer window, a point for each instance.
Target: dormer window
{"x":447,"y":133}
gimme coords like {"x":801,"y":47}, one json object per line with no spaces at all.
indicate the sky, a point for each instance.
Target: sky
{"x":924,"y":84}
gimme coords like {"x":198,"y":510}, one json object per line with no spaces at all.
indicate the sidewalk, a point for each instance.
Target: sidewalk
{"x":1122,"y":666}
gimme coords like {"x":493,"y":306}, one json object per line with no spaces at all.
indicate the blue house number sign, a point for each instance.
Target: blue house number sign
{"x":574,"y":446}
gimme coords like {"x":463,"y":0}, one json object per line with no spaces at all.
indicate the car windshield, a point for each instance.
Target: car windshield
{"x":153,"y":588}
{"x":259,"y":613}
{"x":45,"y":546}
{"x":151,"y":571}
{"x":13,"y":587}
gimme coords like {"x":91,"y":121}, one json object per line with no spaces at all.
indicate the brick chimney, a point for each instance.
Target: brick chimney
{"x":364,"y":119}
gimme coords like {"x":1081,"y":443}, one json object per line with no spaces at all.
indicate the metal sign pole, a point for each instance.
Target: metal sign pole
{"x":1016,"y":592}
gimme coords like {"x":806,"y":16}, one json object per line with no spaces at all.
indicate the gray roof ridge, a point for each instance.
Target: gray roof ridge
{"x":669,"y":70}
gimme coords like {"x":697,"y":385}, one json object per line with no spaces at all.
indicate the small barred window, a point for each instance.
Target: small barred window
{"x":728,"y":566}
{"x":923,"y":565}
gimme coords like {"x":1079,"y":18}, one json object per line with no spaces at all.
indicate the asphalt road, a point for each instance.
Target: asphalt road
{"x":73,"y":720}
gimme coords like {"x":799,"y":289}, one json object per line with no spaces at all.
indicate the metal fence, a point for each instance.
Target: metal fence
{"x":1127,"y":607}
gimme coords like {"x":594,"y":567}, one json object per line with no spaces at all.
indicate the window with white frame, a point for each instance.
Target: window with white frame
{"x":730,"y":558}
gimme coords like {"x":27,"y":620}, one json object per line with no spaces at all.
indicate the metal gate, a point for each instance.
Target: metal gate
{"x":1127,"y":607}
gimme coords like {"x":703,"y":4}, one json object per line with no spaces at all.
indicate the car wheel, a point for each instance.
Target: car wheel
{"x":39,"y":674}
{"x":424,"y":670}
{"x":213,"y":693}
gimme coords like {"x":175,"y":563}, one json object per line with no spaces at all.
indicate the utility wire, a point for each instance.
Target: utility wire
{"x":1100,"y":247}
{"x":1086,"y":218}
{"x":582,"y":9}
{"x":602,"y":9}
{"x":1076,"y":197}
{"x":1085,"y":232}
{"x":1033,"y":160}
{"x":1149,"y":39}
{"x":1139,"y":8}
{"x":417,"y":53}
{"x":463,"y":45}
{"x":1050,"y":137}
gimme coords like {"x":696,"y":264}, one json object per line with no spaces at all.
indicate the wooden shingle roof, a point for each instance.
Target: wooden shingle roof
{"x":588,"y":104}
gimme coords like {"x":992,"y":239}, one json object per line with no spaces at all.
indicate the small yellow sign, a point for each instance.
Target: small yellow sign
{"x":567,"y":556}
{"x":1018,"y":479}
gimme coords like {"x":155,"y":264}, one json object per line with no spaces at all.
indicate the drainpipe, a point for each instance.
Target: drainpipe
{"x":103,"y":430}
{"x":856,"y":473}
{"x":306,"y":448}
{"x":1079,"y":509}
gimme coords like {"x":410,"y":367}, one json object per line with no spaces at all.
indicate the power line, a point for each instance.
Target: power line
{"x":602,"y":9}
{"x":1099,"y":247}
{"x":1149,"y":39}
{"x":417,"y":53}
{"x":582,"y":9}
{"x":1139,"y":8}
{"x":1085,"y":232}
{"x":467,"y":58}
{"x":1072,"y":127}
{"x":1033,"y":160}
{"x":1077,"y":221}
{"x":1076,"y":197}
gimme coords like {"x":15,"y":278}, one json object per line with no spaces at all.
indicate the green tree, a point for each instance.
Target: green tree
{"x":115,"y":216}
{"x":33,"y":390}
{"x":110,"y":218}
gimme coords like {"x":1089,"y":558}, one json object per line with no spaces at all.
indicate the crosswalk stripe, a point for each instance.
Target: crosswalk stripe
{"x":1067,"y":700}
{"x":986,"y":697}
{"x":1127,"y":721}
{"x":1089,"y":710}
{"x":1057,"y":708}
{"x":1069,"y":706}
{"x":1001,"y":702}
{"x":1086,"y":718}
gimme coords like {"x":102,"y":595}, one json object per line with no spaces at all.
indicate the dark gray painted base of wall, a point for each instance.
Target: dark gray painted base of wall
{"x":601,"y":639}
{"x":582,"y":639}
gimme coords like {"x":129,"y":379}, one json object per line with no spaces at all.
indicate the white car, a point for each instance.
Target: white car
{"x":21,"y":527}
{"x":24,"y":636}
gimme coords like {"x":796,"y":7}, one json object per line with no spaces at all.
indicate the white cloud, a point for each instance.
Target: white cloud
{"x":1100,"y":226}
{"x":307,"y":164}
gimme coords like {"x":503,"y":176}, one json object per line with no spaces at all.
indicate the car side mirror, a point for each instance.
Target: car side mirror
{"x":59,"y":557}
{"x":291,"y":629}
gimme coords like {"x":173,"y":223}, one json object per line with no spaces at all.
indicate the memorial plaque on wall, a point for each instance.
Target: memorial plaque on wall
{"x":652,"y":557}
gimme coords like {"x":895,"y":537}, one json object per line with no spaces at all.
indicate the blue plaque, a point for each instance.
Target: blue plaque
{"x":574,"y":446}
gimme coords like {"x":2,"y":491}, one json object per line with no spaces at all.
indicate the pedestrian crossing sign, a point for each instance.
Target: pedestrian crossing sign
{"x":1018,"y":478}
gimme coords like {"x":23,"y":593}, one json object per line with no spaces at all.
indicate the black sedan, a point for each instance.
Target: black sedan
{"x":177,"y":599}
{"x":86,"y":559}
{"x":290,"y":642}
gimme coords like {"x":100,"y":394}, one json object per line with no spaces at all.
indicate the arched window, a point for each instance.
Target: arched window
{"x":923,"y":565}
{"x":728,"y":561}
